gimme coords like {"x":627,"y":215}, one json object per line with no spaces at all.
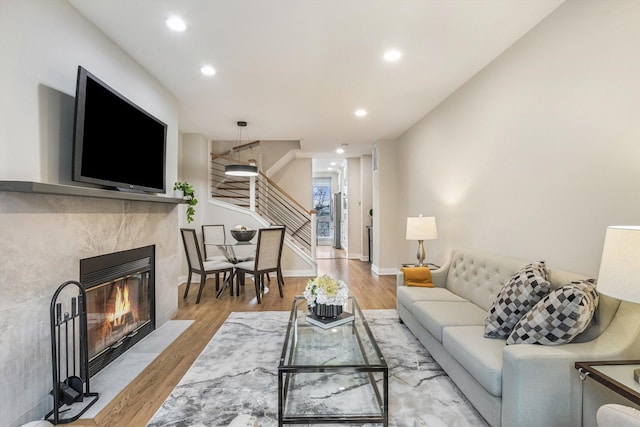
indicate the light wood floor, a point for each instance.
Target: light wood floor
{"x":329,"y":252}
{"x":136,"y":404}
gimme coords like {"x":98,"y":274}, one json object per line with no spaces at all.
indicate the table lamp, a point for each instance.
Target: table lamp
{"x":421,"y":228}
{"x":619,"y":275}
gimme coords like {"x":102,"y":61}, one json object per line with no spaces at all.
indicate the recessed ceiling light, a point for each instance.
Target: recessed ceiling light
{"x":330,"y":168}
{"x":208,"y":70}
{"x":176,"y":23}
{"x":392,"y":55}
{"x":360,"y":112}
{"x":332,"y":163}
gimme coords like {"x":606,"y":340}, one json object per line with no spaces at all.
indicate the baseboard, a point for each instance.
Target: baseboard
{"x":299,"y":273}
{"x":384,"y":271}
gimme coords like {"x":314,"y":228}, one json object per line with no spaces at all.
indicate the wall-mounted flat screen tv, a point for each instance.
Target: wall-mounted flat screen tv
{"x":116,"y":143}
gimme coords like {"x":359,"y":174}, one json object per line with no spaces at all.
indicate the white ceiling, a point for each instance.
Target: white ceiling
{"x":298,"y":69}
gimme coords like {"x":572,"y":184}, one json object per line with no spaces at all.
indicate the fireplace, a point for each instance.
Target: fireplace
{"x":120,"y":302}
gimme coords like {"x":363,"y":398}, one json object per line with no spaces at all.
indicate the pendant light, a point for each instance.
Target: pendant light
{"x":240,"y":169}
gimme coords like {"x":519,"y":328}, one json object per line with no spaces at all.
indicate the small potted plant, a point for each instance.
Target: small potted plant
{"x":185,"y":191}
{"x":326,"y":296}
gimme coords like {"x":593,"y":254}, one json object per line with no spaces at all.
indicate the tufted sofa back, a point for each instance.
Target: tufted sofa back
{"x":478,"y":277}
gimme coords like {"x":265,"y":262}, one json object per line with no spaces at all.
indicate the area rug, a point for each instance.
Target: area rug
{"x":237,"y":373}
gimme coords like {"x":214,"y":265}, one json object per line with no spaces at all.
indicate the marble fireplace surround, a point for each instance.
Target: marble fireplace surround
{"x":42,"y":239}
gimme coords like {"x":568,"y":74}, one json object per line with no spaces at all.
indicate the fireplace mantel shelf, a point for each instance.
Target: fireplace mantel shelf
{"x":70,"y":190}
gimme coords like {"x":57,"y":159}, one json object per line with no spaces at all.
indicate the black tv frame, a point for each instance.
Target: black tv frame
{"x":79,"y":142}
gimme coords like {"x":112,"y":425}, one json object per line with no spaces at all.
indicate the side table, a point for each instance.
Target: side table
{"x":426,"y":264}
{"x":616,"y":375}
{"x":607,"y":382}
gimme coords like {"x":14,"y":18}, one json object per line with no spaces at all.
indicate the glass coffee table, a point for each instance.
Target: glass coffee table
{"x":331,"y":376}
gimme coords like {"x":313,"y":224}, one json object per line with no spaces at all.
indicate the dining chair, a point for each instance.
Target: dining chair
{"x":268,"y":257}
{"x":203,"y":268}
{"x":212,"y":236}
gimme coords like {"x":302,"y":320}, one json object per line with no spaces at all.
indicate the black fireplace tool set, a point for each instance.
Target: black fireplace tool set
{"x":69,"y":354}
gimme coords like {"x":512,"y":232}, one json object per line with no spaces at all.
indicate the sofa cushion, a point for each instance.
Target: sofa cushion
{"x":480,"y":356}
{"x":525,"y":288}
{"x":408,"y":295}
{"x":559,"y":317}
{"x":436,"y":315}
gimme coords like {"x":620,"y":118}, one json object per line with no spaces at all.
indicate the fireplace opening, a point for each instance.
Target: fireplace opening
{"x":120,"y":302}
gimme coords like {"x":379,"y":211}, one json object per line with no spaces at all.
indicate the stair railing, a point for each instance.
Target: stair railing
{"x":263,"y":196}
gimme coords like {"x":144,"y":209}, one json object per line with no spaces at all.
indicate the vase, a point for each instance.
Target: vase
{"x":327,"y":310}
{"x":178,"y":194}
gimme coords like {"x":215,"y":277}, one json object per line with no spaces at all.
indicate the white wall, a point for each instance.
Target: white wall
{"x":386,"y":193}
{"x":42,"y":238}
{"x":43,"y":42}
{"x":194,"y":168}
{"x":366,"y":204}
{"x":355,"y":227}
{"x":539,"y":152}
{"x":272,"y":151}
{"x":296,"y":178}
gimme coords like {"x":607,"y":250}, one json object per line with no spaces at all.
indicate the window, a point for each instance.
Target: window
{"x":322,"y":204}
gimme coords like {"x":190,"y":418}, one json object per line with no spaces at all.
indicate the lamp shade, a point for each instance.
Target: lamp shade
{"x":241,"y":170}
{"x":421,"y":228}
{"x":619,"y":275}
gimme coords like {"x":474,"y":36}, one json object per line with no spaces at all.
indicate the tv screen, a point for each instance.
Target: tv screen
{"x":116,"y":143}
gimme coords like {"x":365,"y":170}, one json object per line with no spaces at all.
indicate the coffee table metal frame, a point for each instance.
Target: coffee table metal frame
{"x":362,"y":335}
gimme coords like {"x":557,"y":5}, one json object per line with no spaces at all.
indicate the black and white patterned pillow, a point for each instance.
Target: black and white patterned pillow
{"x":559,"y":317}
{"x":522,"y":291}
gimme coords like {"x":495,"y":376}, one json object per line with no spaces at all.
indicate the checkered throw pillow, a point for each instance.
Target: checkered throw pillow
{"x":522,"y":291}
{"x":559,"y":317}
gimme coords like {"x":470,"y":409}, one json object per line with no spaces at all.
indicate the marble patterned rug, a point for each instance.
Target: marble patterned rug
{"x":237,"y":373}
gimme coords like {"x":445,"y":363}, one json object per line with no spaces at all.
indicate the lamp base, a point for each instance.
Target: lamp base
{"x":421,"y":253}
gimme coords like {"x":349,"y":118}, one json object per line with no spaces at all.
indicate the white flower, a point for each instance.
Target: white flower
{"x":325,"y":290}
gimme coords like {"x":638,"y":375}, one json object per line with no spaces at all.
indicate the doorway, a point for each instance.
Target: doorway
{"x":323,"y":206}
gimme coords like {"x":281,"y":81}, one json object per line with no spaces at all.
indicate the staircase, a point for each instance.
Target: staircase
{"x":264,"y":197}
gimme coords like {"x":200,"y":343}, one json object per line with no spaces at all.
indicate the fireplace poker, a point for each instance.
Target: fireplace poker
{"x":58,"y":323}
{"x":66,"y":395}
{"x":74,"y":381}
{"x":73,"y":332}
{"x":69,"y":394}
{"x":66,"y":345}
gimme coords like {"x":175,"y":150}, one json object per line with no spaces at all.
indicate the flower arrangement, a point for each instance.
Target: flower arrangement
{"x":325,"y":290}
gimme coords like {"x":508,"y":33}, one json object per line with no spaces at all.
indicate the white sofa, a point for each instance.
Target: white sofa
{"x":516,"y":385}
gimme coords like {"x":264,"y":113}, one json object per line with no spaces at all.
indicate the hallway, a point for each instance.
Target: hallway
{"x":329,"y":252}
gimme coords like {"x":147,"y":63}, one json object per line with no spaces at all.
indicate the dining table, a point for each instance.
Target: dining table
{"x":235,"y":253}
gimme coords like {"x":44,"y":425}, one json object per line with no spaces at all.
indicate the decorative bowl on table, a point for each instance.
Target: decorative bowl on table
{"x":243,"y":235}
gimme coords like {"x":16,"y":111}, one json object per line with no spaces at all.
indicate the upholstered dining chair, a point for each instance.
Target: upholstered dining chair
{"x":203,"y":268}
{"x":268,"y":255}
{"x":212,"y":236}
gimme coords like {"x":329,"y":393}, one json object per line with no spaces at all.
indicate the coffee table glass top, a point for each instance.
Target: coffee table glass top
{"x":334,"y":374}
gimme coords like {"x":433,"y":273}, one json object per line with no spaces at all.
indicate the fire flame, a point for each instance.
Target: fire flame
{"x":122,"y":306}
